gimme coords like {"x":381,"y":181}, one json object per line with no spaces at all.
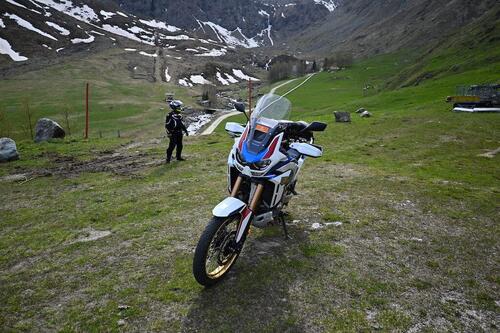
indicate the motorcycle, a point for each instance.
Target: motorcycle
{"x":263,"y":167}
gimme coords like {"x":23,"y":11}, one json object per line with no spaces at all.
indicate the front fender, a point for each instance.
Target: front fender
{"x":228,"y":207}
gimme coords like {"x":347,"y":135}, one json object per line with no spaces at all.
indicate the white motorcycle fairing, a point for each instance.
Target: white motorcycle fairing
{"x":228,"y":207}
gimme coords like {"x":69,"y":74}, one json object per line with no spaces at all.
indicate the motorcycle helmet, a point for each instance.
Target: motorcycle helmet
{"x":176,"y":105}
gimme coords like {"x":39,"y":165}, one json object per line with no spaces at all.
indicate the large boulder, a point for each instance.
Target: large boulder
{"x":8,"y":150}
{"x":47,"y":129}
{"x":342,"y":117}
{"x":366,"y":114}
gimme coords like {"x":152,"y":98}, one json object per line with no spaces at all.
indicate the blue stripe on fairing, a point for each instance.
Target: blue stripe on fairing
{"x":250,"y":157}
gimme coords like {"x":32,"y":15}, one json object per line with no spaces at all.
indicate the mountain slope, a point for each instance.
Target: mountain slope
{"x":372,"y":27}
{"x":236,"y":22}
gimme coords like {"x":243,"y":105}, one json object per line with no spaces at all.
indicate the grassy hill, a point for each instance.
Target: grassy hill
{"x":416,"y":250}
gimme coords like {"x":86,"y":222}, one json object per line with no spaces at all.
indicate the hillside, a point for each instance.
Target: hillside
{"x":372,"y":27}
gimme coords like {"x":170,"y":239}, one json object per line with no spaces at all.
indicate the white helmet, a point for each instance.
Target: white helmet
{"x":176,"y":105}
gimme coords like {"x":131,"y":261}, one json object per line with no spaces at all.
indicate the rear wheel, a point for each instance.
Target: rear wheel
{"x":216,"y":251}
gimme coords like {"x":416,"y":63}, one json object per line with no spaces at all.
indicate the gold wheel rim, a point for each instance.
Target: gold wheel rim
{"x":220,"y":269}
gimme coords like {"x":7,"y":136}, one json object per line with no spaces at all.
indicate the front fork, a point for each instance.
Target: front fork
{"x":248,"y":211}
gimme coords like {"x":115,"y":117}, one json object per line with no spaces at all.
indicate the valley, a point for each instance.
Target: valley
{"x":394,"y":229}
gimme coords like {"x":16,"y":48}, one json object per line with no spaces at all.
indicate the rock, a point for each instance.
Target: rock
{"x":47,"y":129}
{"x":342,"y":117}
{"x":316,"y":226}
{"x":366,"y":114}
{"x":121,"y":322}
{"x":8,"y":150}
{"x":360,"y":110}
{"x":335,"y":224}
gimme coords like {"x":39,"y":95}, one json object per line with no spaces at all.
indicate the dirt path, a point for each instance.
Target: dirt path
{"x":281,"y":85}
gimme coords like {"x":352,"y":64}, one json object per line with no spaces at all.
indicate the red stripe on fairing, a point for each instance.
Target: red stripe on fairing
{"x":270,"y":152}
{"x":245,"y":216}
{"x":242,"y":139}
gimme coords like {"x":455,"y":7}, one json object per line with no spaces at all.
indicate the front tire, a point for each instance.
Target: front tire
{"x":216,"y":251}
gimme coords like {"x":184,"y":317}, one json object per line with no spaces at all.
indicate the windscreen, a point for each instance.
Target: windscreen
{"x":272,"y":107}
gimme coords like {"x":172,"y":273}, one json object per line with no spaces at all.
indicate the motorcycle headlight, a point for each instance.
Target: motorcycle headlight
{"x":239,"y":158}
{"x":262,"y":164}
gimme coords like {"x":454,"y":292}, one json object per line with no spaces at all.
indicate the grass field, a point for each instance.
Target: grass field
{"x":117,"y":102}
{"x":416,"y":250}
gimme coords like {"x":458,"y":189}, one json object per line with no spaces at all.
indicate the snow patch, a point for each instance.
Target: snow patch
{"x":329,"y":4}
{"x":160,"y":25}
{"x":25,"y":24}
{"x":154,"y":55}
{"x":2,"y":25}
{"x":122,"y":14}
{"x":107,"y":15}
{"x":138,"y":30}
{"x":83,"y":13}
{"x":131,"y":50}
{"x":230,"y":78}
{"x":178,"y":37}
{"x":199,"y":79}
{"x":221,"y":79}
{"x":5,"y":48}
{"x":167,"y":76}
{"x":12,"y":2}
{"x":185,"y":82}
{"x":124,"y":33}
{"x":229,"y":37}
{"x":212,"y":53}
{"x":81,"y":40}
{"x":62,"y":31}
{"x":263,"y":13}
{"x":239,"y":74}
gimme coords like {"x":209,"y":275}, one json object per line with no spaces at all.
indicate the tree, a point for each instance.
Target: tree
{"x":326,"y":64}
{"x":209,"y":94}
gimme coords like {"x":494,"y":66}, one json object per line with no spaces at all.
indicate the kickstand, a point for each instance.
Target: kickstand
{"x":283,"y":223}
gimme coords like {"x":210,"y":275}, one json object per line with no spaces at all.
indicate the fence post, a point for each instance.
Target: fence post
{"x":249,"y":98}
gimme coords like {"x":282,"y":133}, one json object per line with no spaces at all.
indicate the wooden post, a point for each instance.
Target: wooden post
{"x":87,"y":111}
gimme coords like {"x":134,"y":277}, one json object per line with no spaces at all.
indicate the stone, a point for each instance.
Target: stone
{"x":366,"y":114}
{"x":121,"y":322}
{"x":360,"y":110}
{"x":8,"y":150}
{"x":342,"y":117}
{"x":47,"y":129}
{"x":335,"y":224}
{"x":316,"y":226}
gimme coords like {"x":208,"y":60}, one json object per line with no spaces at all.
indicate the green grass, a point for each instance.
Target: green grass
{"x":117,"y":102}
{"x":416,"y":248}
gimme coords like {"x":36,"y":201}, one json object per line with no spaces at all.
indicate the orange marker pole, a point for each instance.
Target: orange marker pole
{"x":249,"y":98}
{"x":87,"y":112}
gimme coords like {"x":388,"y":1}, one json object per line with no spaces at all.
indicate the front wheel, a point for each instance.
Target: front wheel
{"x":216,"y":251}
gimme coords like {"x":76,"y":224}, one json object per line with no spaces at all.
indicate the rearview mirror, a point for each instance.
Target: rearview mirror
{"x":234,"y":129}
{"x":239,"y":106}
{"x":315,"y":126}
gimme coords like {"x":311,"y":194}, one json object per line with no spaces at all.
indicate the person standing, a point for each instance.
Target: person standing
{"x":175,"y":127}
